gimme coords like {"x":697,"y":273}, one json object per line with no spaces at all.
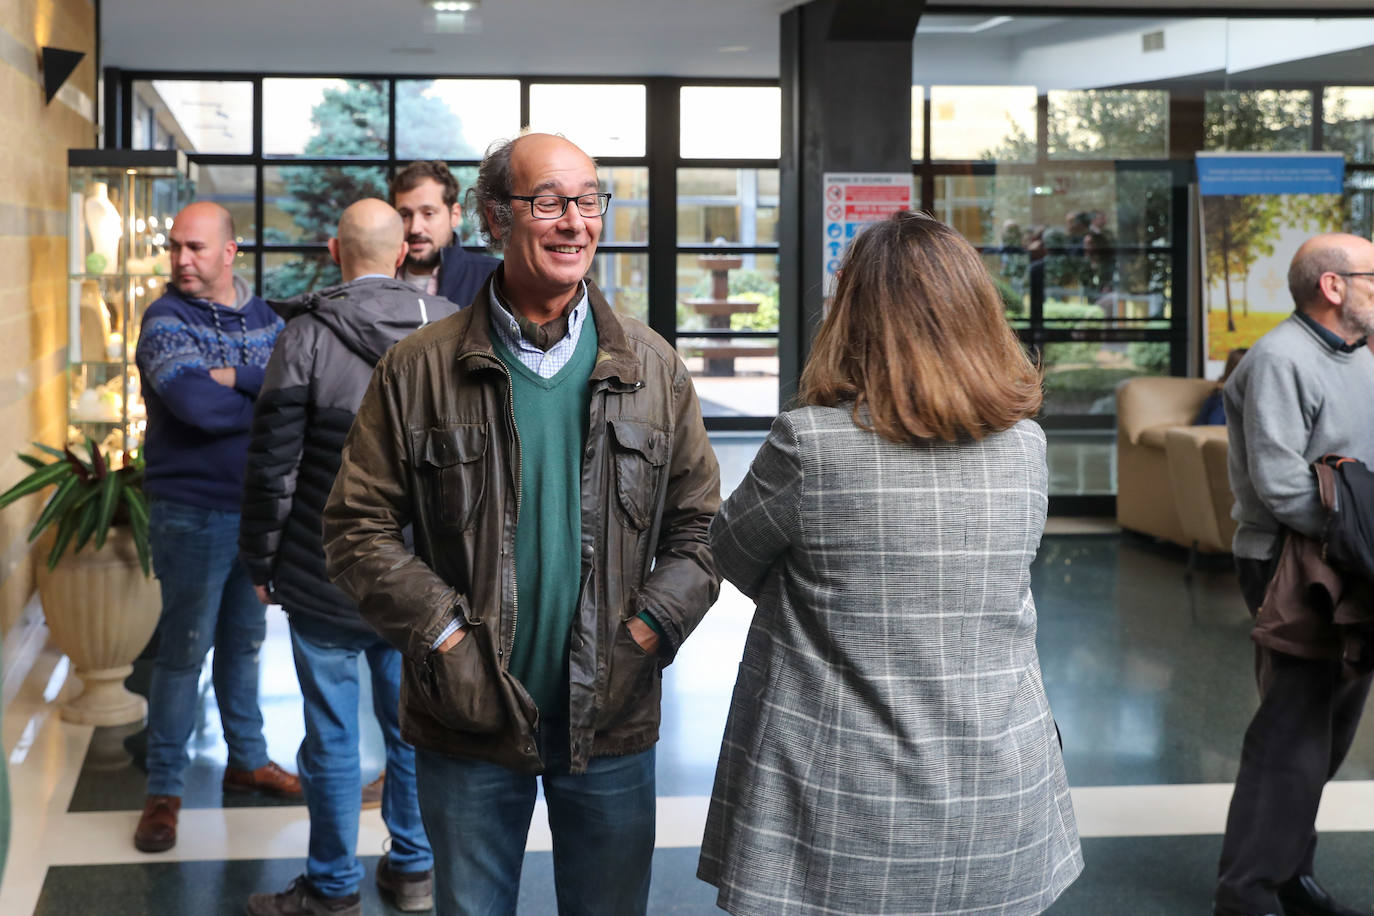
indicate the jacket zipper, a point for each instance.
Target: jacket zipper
{"x":519,"y":474}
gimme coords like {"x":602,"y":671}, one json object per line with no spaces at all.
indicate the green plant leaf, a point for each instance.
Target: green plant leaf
{"x":88,"y":508}
{"x":66,"y":492}
{"x":48,"y":474}
{"x":55,"y":452}
{"x":109,"y":499}
{"x":65,"y":530}
{"x":138,"y":522}
{"x":33,"y":461}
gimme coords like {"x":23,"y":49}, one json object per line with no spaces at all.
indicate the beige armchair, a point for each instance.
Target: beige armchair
{"x":1202,"y":487}
{"x":1151,"y":489}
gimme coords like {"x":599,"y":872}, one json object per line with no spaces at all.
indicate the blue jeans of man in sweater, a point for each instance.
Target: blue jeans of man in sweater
{"x":207,"y":600}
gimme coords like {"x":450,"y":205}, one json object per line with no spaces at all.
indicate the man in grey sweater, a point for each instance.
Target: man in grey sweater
{"x":1304,"y":390}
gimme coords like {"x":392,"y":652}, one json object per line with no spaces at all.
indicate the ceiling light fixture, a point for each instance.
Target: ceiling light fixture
{"x":452,"y":6}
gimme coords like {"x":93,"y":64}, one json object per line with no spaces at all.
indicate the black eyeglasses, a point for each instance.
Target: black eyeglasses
{"x":553,"y":206}
{"x":1354,"y":273}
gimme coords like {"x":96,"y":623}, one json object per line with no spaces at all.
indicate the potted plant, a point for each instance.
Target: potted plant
{"x":101,"y":605}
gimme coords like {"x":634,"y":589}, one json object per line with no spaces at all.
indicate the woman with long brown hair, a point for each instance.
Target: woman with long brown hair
{"x":890,"y":748}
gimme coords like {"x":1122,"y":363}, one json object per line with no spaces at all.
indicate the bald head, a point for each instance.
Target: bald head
{"x":1332,"y":252}
{"x":371,"y":239}
{"x":1332,"y":282}
{"x":209,"y":217}
{"x":201,"y":247}
{"x":499,"y":176}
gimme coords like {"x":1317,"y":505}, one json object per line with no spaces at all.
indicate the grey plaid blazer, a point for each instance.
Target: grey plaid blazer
{"x":889,"y":748}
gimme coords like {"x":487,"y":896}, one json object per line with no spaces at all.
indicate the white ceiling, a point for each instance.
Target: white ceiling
{"x":732,"y":38}
{"x":706,"y":38}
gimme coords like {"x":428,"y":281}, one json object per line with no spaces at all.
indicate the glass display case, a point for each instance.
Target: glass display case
{"x":122,"y":203}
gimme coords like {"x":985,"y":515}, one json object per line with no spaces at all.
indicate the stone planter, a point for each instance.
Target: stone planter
{"x":101,"y":611}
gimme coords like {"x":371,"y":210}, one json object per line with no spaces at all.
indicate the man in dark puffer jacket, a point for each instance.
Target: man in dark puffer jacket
{"x":314,"y":383}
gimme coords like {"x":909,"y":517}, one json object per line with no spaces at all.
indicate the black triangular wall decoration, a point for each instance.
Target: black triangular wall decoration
{"x":58,"y":64}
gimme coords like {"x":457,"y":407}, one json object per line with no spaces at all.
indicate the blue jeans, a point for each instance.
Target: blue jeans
{"x":327,"y":667}
{"x":207,"y":600}
{"x":478,"y":818}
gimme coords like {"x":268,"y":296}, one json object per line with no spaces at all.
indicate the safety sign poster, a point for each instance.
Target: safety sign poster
{"x":853,"y":200}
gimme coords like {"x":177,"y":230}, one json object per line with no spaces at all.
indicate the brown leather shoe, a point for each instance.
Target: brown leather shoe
{"x":157,"y":827}
{"x":268,"y":778}
{"x":372,"y":792}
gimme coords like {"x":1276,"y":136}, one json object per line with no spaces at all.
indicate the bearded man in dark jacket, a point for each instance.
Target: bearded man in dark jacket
{"x":314,"y":383}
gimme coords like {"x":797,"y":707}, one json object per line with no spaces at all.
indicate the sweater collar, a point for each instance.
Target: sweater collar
{"x":1328,"y":337}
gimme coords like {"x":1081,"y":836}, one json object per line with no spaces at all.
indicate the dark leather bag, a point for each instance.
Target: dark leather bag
{"x":1347,"y":493}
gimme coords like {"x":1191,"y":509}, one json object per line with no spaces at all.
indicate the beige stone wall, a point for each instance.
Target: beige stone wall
{"x":33,"y":248}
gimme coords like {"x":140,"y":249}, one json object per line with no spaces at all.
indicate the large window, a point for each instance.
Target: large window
{"x":322,"y":143}
{"x":1063,"y":147}
{"x":727,"y":310}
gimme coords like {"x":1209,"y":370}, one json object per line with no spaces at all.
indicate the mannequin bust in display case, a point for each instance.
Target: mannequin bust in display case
{"x":96,"y":328}
{"x":104,"y":226}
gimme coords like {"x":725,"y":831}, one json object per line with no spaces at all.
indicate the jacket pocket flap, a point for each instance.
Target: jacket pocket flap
{"x":442,"y":448}
{"x":642,"y":438}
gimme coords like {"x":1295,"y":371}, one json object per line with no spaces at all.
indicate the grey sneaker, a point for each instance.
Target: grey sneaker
{"x":301,"y":899}
{"x":409,"y":893}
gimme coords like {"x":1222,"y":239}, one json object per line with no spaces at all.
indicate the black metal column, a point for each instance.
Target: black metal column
{"x":845,"y":72}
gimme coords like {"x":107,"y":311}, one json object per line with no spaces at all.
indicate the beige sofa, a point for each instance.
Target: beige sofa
{"x":1171,"y":476}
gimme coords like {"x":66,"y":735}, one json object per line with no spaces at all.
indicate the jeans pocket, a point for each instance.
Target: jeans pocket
{"x":462,"y":690}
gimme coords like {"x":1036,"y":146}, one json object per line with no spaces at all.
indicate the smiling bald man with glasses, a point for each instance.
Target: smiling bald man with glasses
{"x":1302,"y":391}
{"x":551,"y":457}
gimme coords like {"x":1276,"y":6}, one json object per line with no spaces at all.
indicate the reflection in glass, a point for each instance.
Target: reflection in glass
{"x":1348,"y":122}
{"x":286,"y":275}
{"x":1266,"y":120}
{"x":1108,"y":124}
{"x":198,"y":116}
{"x":982,"y":122}
{"x":602,"y":119}
{"x":624,"y":279}
{"x":1096,"y":241}
{"x":730,"y":122}
{"x":985,"y":209}
{"x":454,"y":119}
{"x":302,"y":203}
{"x":231,"y":186}
{"x":328,"y":118}
{"x":1081,"y":378}
{"x":738,"y":206}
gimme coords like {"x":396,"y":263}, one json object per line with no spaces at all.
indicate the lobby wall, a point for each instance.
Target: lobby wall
{"x":33,"y":251}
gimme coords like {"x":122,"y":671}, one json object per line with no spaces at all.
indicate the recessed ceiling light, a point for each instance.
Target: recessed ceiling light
{"x":452,"y":6}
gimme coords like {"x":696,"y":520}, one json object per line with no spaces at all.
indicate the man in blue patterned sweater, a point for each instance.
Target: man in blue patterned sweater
{"x":201,"y":355}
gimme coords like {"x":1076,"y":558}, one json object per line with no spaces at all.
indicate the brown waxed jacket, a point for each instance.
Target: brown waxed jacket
{"x":434,"y":446}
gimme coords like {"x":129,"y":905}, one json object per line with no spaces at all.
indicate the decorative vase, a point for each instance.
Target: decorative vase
{"x":101,"y":611}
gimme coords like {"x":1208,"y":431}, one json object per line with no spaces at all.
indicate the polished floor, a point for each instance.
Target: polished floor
{"x":1148,"y":673}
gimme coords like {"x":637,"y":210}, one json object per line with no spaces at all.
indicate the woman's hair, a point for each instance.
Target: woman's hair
{"x":917,"y":340}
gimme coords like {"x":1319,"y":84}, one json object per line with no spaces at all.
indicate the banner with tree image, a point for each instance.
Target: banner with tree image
{"x":1257,"y":208}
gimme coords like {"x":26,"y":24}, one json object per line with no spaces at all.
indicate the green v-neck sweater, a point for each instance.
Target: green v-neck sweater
{"x":551,"y":421}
